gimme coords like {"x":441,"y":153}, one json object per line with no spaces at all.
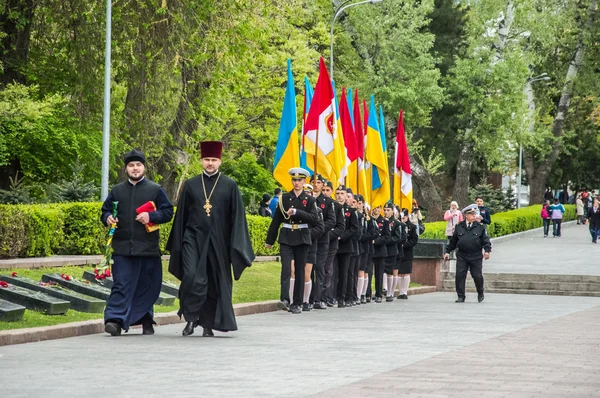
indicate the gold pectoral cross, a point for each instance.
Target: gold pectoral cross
{"x":207,"y":206}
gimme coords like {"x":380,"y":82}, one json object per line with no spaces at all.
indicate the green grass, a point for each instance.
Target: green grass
{"x":258,"y":283}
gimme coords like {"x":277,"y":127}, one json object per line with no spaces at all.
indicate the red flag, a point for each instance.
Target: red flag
{"x":360,"y":136}
{"x":350,"y":140}
{"x":366,"y":116}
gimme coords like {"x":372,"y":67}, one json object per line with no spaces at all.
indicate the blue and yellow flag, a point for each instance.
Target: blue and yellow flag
{"x":287,"y":153}
{"x":376,"y":154}
{"x":308,"y":96}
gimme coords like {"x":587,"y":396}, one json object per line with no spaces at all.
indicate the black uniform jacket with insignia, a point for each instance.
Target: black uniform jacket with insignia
{"x":358,"y":250}
{"x":469,"y":241}
{"x":403,"y":237}
{"x":306,"y":213}
{"x":412,"y":238}
{"x":329,"y":219}
{"x":383,"y":236}
{"x":370,"y":232}
{"x":340,"y":226}
{"x":318,"y":230}
{"x":395,"y":237}
{"x":347,"y":238}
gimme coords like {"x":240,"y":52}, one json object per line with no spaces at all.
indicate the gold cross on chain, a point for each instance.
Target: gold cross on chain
{"x":207,"y":206}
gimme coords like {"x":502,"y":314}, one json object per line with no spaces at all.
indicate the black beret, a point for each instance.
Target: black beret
{"x":134,"y":156}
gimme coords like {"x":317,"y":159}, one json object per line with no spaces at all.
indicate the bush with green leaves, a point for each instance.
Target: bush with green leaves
{"x":16,"y":193}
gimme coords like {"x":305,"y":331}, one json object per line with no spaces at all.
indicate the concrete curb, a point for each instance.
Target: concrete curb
{"x":524,"y":234}
{"x":73,"y":329}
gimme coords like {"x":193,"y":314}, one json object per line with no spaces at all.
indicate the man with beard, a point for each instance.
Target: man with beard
{"x":327,"y":207}
{"x":137,"y":268}
{"x":330,"y":285}
{"x":298,"y":213}
{"x":209,"y":236}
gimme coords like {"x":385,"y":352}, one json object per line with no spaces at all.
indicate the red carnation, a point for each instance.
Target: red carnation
{"x":96,"y":271}
{"x":380,"y":225}
{"x":13,"y":274}
{"x":347,"y":214}
{"x":304,"y":202}
{"x":107,"y":272}
{"x":322,"y":205}
{"x":3,"y":284}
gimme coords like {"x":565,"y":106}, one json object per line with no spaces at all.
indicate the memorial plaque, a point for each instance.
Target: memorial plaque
{"x":10,"y":312}
{"x":79,"y":301}
{"x":36,"y":301}
{"x":163,"y":298}
{"x":90,"y":289}
{"x":170,"y":288}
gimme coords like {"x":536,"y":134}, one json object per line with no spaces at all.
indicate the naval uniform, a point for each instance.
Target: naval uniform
{"x":345,"y":251}
{"x":294,"y":240}
{"x":380,"y":253}
{"x":351,"y":293}
{"x":329,"y":286}
{"x":326,"y":206}
{"x":410,"y":240}
{"x":470,"y":240}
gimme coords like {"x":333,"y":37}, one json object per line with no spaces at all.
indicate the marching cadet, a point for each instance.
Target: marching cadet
{"x":391,"y":266}
{"x":380,"y":251}
{"x":370,"y":232}
{"x":471,"y":238}
{"x":326,"y":206}
{"x":298,"y":214}
{"x":330,"y":285}
{"x":346,"y":246}
{"x":351,"y":293}
{"x":411,"y":237}
{"x":315,"y":234}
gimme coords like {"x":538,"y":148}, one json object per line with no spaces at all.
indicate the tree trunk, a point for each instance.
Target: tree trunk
{"x":15,"y":23}
{"x":463,"y":172}
{"x":537,"y":176}
{"x":427,"y":195}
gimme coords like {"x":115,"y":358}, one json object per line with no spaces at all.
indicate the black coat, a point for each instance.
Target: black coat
{"x":340,"y":226}
{"x":329,"y":217}
{"x":593,"y":217}
{"x":395,"y":237}
{"x":412,"y":238}
{"x":469,"y":241}
{"x":306,"y":213}
{"x":383,"y":236}
{"x":346,"y":244}
{"x":358,"y":235}
{"x":370,"y":233}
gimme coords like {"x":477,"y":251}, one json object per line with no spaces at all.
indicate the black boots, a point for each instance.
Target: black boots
{"x":112,"y":328}
{"x":188,"y":330}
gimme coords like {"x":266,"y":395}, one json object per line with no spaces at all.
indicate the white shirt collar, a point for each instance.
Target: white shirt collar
{"x":136,"y":182}
{"x":210,"y":175}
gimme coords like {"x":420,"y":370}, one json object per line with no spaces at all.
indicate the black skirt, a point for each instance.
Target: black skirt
{"x":405,"y":266}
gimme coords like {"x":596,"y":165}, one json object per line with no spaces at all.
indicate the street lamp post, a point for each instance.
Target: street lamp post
{"x":106,"y":116}
{"x":343,"y":7}
{"x":528,"y":91}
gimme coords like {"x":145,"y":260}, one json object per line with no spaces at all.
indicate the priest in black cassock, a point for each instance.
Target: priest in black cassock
{"x":209,"y":236}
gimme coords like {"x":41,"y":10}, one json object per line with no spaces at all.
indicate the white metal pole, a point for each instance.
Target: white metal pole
{"x":106,"y":116}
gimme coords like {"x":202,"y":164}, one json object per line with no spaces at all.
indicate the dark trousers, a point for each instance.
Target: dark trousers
{"x":318,"y":273}
{"x":370,"y":270}
{"x":475,"y":266}
{"x":137,"y":284}
{"x":556,"y":227}
{"x":595,"y":232}
{"x":546,"y":226}
{"x":328,"y":285}
{"x":379,"y":267}
{"x":352,"y":278}
{"x":298,"y":254}
{"x":343,"y":263}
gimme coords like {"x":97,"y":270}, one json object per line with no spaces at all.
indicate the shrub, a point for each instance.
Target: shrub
{"x":75,"y":228}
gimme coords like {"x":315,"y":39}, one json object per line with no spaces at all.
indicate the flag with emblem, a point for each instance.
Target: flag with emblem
{"x":350,"y":143}
{"x":402,"y":172}
{"x":339,"y":143}
{"x":377,"y":156}
{"x":308,"y":96}
{"x":320,"y":128}
{"x":287,"y":153}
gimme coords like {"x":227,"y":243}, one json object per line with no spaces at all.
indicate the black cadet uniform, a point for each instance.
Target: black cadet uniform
{"x":344,"y":253}
{"x":330,"y":287}
{"x":380,"y":253}
{"x":351,"y":294}
{"x":470,"y":240}
{"x":326,"y":206}
{"x":366,"y":259}
{"x":411,"y":238}
{"x":392,"y":246}
{"x":294,"y":239}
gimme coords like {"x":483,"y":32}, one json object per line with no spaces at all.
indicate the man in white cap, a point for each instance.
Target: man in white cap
{"x":471,"y":239}
{"x":297,"y":212}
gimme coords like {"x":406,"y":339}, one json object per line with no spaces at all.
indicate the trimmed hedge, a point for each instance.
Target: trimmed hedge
{"x":504,"y":223}
{"x":75,"y":228}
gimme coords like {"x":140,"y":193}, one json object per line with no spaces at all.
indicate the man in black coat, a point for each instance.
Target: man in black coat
{"x":298,"y":213}
{"x":593,"y":219}
{"x":380,"y":251}
{"x":137,"y":269}
{"x":326,"y":204}
{"x":346,"y":245}
{"x":484,"y":216}
{"x":330,"y":284}
{"x":471,"y":238}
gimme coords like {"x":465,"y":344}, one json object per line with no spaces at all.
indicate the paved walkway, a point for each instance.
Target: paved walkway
{"x":572,"y":254}
{"x":427,"y":346}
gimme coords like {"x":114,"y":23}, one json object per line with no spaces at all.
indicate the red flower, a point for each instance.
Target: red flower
{"x":96,"y":271}
{"x":322,"y":205}
{"x":66,"y":277}
{"x":87,"y":282}
{"x":304,"y":202}
{"x":347,"y":214}
{"x":13,"y":274}
{"x":3,"y":284}
{"x":380,"y":225}
{"x":107,"y":272}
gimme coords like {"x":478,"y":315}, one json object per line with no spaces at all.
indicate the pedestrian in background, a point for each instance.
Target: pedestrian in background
{"x":593,"y":219}
{"x":546,"y":218}
{"x":452,"y":217}
{"x":580,"y":212}
{"x":263,"y":209}
{"x":484,"y":215}
{"x":275,"y":200}
{"x":557,"y":214}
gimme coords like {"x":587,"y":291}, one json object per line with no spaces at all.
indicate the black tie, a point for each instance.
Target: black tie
{"x":468,"y":225}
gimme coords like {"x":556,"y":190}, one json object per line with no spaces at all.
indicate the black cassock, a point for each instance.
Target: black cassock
{"x":203,"y":250}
